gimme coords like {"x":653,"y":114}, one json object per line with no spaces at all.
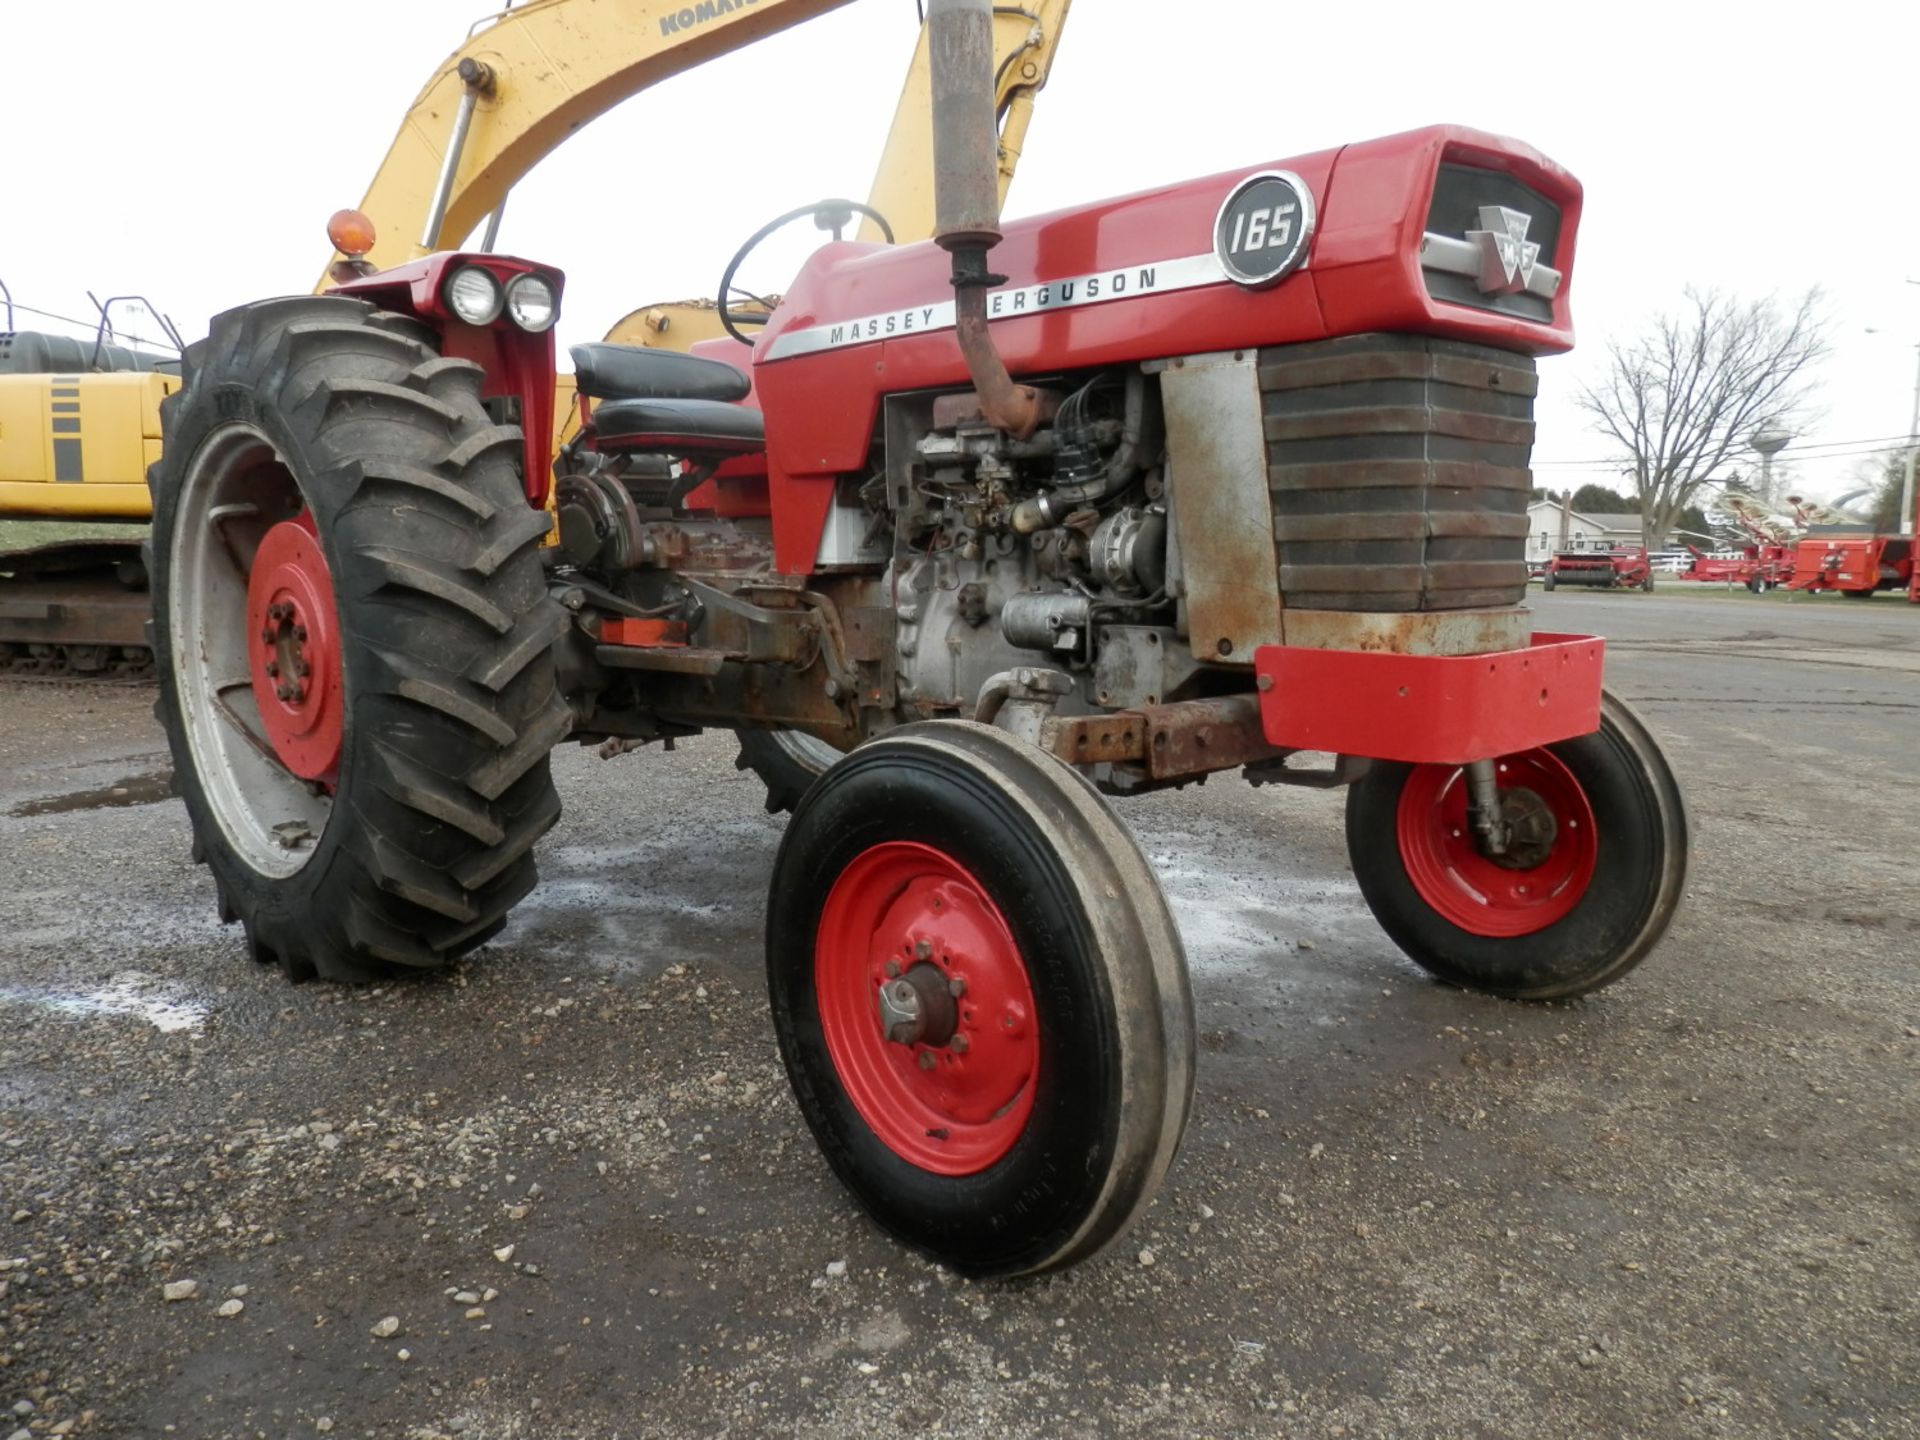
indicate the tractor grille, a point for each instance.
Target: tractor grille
{"x":1398,"y":468}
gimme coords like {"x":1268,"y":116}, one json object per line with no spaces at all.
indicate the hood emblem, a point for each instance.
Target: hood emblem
{"x":1507,"y":257}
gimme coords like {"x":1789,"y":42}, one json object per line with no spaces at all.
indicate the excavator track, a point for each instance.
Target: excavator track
{"x":76,"y":610}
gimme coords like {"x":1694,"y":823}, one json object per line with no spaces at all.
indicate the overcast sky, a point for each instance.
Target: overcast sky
{"x":191,"y":150}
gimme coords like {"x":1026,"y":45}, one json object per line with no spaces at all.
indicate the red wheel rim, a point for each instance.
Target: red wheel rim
{"x":294,"y":641}
{"x":1465,"y":887}
{"x":952,"y":1109}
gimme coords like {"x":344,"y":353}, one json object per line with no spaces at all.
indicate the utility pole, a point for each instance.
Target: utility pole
{"x":1913,"y":447}
{"x":1913,"y":444}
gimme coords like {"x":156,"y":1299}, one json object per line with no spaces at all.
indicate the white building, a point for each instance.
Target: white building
{"x":1549,"y":530}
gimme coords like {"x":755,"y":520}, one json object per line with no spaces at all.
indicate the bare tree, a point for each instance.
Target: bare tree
{"x":1681,"y":401}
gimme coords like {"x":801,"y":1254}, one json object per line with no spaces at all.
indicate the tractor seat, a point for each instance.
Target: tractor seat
{"x":605,"y":371}
{"x":678,"y":427}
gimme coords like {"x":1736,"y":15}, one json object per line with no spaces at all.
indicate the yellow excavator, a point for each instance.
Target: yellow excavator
{"x":79,"y":421}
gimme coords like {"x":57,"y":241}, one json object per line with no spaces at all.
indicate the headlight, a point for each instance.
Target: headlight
{"x":474,"y":295}
{"x":530,"y":302}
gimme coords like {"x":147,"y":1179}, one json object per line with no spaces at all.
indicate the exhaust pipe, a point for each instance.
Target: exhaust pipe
{"x":966,"y":203}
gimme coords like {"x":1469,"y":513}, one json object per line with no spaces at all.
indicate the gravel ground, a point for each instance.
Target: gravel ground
{"x":562,"y":1191}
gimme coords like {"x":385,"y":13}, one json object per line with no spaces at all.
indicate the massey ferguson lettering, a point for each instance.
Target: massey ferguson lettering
{"x":1094,"y":287}
{"x":1160,"y":278}
{"x":901,"y":322}
{"x":691,"y":15}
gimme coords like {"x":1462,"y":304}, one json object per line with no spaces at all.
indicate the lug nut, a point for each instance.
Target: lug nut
{"x":284,"y":691}
{"x":959,"y":1044}
{"x":923,"y":950}
{"x":300,"y":666}
{"x":956,"y":987}
{"x":300,"y":634}
{"x":893,"y":969}
{"x":273,"y":669}
{"x":927,"y":1062}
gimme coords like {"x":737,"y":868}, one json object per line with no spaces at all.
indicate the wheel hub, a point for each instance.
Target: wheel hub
{"x":919,"y":1008}
{"x":295,"y":650}
{"x":927,"y":1008}
{"x":1548,"y":862}
{"x":1530,"y":829}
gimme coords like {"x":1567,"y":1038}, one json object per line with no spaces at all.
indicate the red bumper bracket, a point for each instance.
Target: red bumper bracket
{"x":1430,"y":709}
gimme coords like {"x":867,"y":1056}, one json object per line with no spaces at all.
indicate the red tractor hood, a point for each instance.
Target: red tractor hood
{"x":1138,"y":279}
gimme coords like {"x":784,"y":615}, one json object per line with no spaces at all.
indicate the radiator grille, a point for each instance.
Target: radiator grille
{"x":1398,"y":468}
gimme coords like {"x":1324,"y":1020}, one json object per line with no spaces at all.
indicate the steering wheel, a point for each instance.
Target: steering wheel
{"x":834,"y":215}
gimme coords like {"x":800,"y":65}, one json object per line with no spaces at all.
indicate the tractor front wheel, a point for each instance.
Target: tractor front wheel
{"x":981,"y":998}
{"x":1589,"y":882}
{"x":354,"y":639}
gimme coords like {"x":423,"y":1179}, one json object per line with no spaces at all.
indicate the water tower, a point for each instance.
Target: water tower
{"x":1768,"y":441}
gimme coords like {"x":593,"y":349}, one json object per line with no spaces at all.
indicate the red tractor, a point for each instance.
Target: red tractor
{"x":1208,"y":477}
{"x":1619,"y":567}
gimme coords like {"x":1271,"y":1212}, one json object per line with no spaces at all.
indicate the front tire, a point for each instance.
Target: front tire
{"x":353,"y":639}
{"x":1546,"y":581}
{"x":1587,"y":909}
{"x":950,"y":857}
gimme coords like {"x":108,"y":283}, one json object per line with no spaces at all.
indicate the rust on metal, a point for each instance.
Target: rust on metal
{"x":1398,"y":469}
{"x":1006,"y":405}
{"x":681,"y":661}
{"x":1222,"y":513}
{"x":1168,"y":742}
{"x":1438,"y":632}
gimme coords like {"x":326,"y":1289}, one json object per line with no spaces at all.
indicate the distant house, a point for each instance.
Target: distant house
{"x":1552,"y":526}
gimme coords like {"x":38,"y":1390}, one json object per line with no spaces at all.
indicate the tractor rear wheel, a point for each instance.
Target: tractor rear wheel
{"x":787,"y":762}
{"x":981,"y":998}
{"x":1595,"y":872}
{"x":353,"y":639}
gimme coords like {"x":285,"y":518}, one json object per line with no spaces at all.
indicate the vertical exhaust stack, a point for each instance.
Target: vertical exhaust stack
{"x":966,"y":187}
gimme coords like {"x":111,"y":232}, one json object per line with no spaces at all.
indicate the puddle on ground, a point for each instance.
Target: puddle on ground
{"x":131,"y":994}
{"x":128,"y":790}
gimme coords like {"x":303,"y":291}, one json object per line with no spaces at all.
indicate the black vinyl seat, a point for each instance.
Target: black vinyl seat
{"x":678,"y":426}
{"x":605,"y":371}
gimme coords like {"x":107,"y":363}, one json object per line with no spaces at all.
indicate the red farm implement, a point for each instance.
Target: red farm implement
{"x":1619,"y":567}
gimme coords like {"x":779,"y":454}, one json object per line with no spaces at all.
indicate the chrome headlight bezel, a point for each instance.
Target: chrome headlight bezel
{"x":519,"y":288}
{"x":469,"y":312}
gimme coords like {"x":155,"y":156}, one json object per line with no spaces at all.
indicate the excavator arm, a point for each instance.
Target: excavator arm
{"x":504,"y":100}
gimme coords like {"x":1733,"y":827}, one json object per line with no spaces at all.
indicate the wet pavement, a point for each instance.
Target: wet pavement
{"x":570,"y":1173}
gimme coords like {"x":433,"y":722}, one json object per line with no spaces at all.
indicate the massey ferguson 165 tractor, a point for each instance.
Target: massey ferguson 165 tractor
{"x":1218,"y":477}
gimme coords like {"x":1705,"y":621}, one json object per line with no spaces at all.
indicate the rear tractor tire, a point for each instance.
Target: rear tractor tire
{"x":1588,"y":891}
{"x":354,"y":640}
{"x":787,"y":762}
{"x":981,"y":998}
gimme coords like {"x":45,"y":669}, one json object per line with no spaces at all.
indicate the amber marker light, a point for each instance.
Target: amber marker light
{"x":351,"y":233}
